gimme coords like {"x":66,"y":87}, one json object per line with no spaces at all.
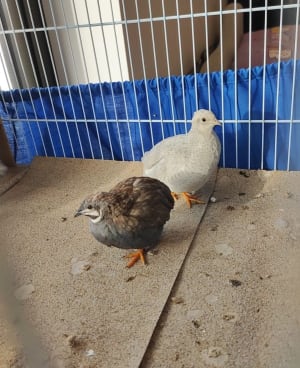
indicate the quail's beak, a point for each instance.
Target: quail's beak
{"x":217,"y":122}
{"x":78,"y":213}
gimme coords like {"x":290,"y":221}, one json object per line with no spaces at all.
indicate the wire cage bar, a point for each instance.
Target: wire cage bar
{"x":109,"y":79}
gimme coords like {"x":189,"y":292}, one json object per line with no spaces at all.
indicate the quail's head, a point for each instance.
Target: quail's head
{"x":204,"y":120}
{"x":90,"y":208}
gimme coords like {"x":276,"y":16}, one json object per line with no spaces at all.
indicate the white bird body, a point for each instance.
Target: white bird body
{"x":185,"y":162}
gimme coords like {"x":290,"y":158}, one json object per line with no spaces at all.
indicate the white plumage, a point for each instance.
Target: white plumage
{"x":185,"y":162}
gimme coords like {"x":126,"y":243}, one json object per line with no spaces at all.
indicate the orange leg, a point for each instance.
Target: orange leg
{"x":134,"y":257}
{"x":189,"y":198}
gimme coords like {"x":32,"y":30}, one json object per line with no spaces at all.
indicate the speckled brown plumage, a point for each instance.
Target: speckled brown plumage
{"x":131,"y":215}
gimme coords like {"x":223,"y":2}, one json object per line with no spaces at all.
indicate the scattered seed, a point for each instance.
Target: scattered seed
{"x":228,"y":317}
{"x":230,"y":208}
{"x":244,"y":173}
{"x":265,"y":277}
{"x":235,"y":282}
{"x":63,"y":219}
{"x":214,"y":353}
{"x":130,"y":278}
{"x":196,"y":323}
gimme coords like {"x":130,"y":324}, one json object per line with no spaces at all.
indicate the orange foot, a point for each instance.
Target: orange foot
{"x":189,"y":198}
{"x":134,"y":257}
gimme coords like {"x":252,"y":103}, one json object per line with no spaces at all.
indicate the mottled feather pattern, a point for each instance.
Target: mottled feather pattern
{"x":133,"y":213}
{"x":142,"y":202}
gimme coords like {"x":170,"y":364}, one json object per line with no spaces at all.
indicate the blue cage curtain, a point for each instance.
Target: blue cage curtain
{"x":111,"y":120}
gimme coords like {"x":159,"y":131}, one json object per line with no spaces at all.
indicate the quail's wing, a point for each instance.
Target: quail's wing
{"x":142,"y":202}
{"x":162,"y":150}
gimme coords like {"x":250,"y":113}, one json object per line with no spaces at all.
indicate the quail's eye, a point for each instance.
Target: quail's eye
{"x":203,"y":119}
{"x":89,"y":207}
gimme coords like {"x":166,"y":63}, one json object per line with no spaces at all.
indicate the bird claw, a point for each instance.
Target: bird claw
{"x":189,"y":198}
{"x":134,"y":257}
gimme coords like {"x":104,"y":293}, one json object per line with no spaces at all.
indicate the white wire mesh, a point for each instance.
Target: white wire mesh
{"x":112,"y":41}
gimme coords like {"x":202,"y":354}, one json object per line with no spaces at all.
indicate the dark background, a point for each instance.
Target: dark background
{"x":273,"y":16}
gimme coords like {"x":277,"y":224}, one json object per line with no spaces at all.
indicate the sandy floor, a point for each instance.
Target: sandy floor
{"x":228,"y":296}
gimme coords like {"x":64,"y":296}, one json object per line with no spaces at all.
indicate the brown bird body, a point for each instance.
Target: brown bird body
{"x":131,"y":215}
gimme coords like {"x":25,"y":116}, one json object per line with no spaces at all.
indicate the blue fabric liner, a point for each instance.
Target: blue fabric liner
{"x":71,"y":114}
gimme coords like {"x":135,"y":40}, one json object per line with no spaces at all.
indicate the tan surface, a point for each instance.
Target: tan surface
{"x":106,"y":308}
{"x":252,"y":238}
{"x":250,"y":235}
{"x":12,"y":177}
